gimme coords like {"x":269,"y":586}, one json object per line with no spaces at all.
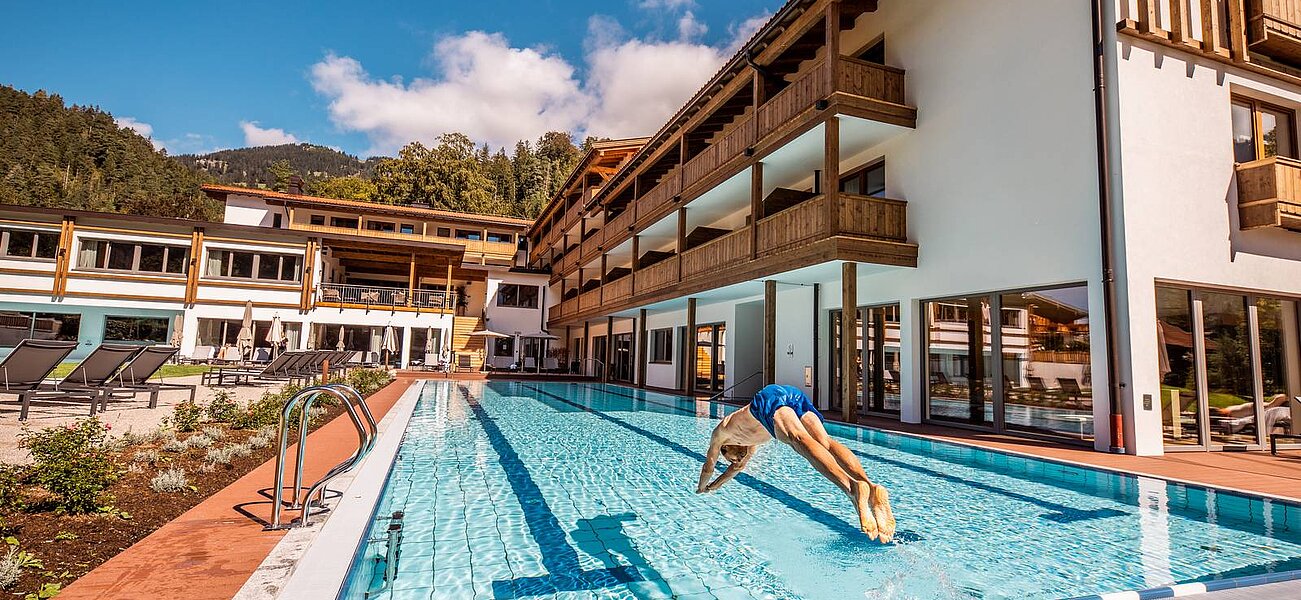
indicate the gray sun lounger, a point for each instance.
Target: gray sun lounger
{"x":24,"y":370}
{"x":283,"y":368}
{"x":138,"y":376}
{"x":91,"y":379}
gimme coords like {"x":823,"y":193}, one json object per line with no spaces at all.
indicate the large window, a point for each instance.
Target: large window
{"x":26,"y":243}
{"x":661,"y":346}
{"x":1041,"y":381}
{"x":254,"y":265}
{"x":469,"y":234}
{"x":1230,"y":364}
{"x":16,"y":326}
{"x":503,"y":347}
{"x":496,"y":236}
{"x":344,"y":222}
{"x":1261,"y":130}
{"x":147,"y":330}
{"x":867,"y":181}
{"x":380,"y":226}
{"x":133,"y":256}
{"x":517,"y":296}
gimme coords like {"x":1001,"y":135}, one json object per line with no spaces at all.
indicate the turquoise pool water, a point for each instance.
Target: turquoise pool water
{"x":522,"y":489}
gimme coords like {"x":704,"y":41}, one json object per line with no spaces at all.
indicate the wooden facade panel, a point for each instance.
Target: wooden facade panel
{"x":658,"y":275}
{"x":1269,"y":193}
{"x":724,"y":252}
{"x":873,"y":217}
{"x":590,"y":300}
{"x":870,"y":80}
{"x":618,"y":290}
{"x":651,"y":202}
{"x":592,"y":245}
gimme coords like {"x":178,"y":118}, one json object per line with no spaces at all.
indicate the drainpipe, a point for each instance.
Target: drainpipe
{"x":1102,"y":124}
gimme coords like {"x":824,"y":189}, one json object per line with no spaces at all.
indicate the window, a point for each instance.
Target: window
{"x":132,"y":256}
{"x":17,"y":326}
{"x":444,"y":232}
{"x":407,"y":228}
{"x":152,"y":330}
{"x":26,"y":243}
{"x":503,"y":347}
{"x":275,"y":220}
{"x":505,"y":238}
{"x":517,"y":296}
{"x":867,"y":181}
{"x":344,"y":222}
{"x":1261,"y":130}
{"x":380,"y":226}
{"x":316,"y":219}
{"x":959,"y":355}
{"x":661,"y":346}
{"x":467,"y":234}
{"x":254,"y":265}
{"x":874,"y":53}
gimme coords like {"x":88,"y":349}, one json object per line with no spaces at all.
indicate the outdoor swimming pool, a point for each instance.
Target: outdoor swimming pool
{"x":521,"y":489}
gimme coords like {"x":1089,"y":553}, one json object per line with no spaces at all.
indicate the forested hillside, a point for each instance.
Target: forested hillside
{"x":56,"y":155}
{"x":254,"y":166}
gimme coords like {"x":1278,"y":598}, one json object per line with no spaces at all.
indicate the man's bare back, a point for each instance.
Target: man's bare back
{"x":784,"y":413}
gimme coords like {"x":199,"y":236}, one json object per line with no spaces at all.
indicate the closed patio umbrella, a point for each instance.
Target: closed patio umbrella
{"x":245,"y":340}
{"x":339,"y":345}
{"x":389,"y":344}
{"x":177,"y":324}
{"x":429,"y":341}
{"x":276,"y":335}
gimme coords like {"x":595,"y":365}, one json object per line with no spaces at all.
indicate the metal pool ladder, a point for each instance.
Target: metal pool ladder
{"x":361,"y":417}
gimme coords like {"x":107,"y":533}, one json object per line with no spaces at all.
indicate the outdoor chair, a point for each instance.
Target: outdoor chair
{"x":1275,"y":437}
{"x":90,"y":380}
{"x":141,"y":374}
{"x":261,"y":355}
{"x":202,"y":354}
{"x":330,"y":295}
{"x":276,"y":370}
{"x":25,"y":368}
{"x":1070,"y":388}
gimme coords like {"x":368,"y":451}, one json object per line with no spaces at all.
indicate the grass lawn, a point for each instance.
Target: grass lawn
{"x":168,"y":370}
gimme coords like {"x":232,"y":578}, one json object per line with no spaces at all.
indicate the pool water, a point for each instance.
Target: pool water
{"x":543,"y":489}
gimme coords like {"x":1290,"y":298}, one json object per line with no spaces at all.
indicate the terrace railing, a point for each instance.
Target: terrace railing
{"x":340,"y":294}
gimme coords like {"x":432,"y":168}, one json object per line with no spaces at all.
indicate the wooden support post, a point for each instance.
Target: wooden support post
{"x":585,"y":347}
{"x":411,"y":280}
{"x":831,"y":175}
{"x":448,"y":303}
{"x":1237,"y":30}
{"x":833,"y":46}
{"x":569,"y":343}
{"x":1148,"y":21}
{"x":609,"y":348}
{"x":848,"y":333}
{"x":642,"y":358}
{"x":636,"y":253}
{"x":1212,"y":26}
{"x":756,"y":206}
{"x":769,"y":332}
{"x":1178,"y":22}
{"x":689,"y":350}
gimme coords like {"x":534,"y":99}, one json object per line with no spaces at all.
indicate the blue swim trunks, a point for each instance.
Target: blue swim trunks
{"x":773,"y":397}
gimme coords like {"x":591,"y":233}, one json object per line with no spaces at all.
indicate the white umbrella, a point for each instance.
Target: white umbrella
{"x":178,"y":323}
{"x":487,"y":334}
{"x":245,"y":340}
{"x":276,"y":335}
{"x":389,"y":344}
{"x":339,"y":344}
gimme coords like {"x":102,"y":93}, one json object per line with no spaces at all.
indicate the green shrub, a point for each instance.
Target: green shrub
{"x":222,"y":409}
{"x":11,"y":490}
{"x":187,"y":415}
{"x":72,"y":462}
{"x":368,"y":381}
{"x":263,"y":412}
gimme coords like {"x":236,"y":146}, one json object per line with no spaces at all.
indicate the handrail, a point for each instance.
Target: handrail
{"x":733,"y":386}
{"x":583,"y":361}
{"x":366,"y":433}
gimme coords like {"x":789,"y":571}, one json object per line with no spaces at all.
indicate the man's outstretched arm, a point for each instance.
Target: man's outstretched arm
{"x":711,"y":457}
{"x":733,"y":470}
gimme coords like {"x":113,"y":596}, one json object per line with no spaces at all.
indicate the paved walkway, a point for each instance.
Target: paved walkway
{"x":210,"y":551}
{"x":1258,"y":472}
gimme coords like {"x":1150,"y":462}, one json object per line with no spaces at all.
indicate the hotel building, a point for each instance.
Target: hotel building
{"x":1071,"y":220}
{"x":337,"y":273}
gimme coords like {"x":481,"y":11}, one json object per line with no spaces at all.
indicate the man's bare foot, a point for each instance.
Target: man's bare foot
{"x":880,"y":501}
{"x":862,"y":503}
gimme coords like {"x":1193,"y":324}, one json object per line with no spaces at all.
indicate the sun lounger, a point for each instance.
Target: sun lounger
{"x":141,"y":374}
{"x":276,"y":370}
{"x":1275,"y":437}
{"x":25,"y":368}
{"x":91,"y":379}
{"x":202,"y":354}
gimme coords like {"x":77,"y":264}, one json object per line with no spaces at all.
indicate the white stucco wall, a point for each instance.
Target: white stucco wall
{"x":248,"y":210}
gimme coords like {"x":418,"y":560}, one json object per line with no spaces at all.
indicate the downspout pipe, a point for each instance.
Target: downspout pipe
{"x":1107,"y":229}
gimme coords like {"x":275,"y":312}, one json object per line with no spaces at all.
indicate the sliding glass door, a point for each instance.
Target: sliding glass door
{"x":876,"y":347}
{"x":711,"y":357}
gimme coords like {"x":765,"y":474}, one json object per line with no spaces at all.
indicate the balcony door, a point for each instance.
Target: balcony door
{"x":711,"y":358}
{"x":621,"y":362}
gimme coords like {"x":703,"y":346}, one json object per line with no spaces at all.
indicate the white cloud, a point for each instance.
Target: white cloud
{"x":270,"y":136}
{"x":743,"y":31}
{"x":139,"y":127}
{"x":496,"y":93}
{"x":665,"y":4}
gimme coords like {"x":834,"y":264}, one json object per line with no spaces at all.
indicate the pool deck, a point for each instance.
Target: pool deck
{"x":1255,"y":472}
{"x":211,"y":550}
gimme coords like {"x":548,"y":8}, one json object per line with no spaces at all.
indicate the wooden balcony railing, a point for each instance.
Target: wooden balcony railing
{"x":794,"y":226}
{"x":1274,"y":28}
{"x":786,"y":104}
{"x":495,"y":249}
{"x":592,"y":245}
{"x":1269,"y":193}
{"x":718,"y":254}
{"x":870,"y":80}
{"x":589,"y":300}
{"x":565,"y":308}
{"x":656,"y":276}
{"x":618,"y":228}
{"x":370,"y":296}
{"x":651,"y":201}
{"x":618,"y":290}
{"x":874,"y":217}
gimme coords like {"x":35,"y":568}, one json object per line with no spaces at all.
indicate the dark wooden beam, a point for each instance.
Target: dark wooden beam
{"x":769,"y":332}
{"x":848,"y":333}
{"x":689,"y":351}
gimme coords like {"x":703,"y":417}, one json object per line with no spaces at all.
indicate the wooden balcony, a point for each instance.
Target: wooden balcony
{"x":619,"y":228}
{"x":1274,"y":29}
{"x":591,"y":246}
{"x":369,"y":297}
{"x":657,"y":276}
{"x":617,"y":290}
{"x":1269,"y":193}
{"x":717,"y":255}
{"x":589,"y":300}
{"x":500,"y":251}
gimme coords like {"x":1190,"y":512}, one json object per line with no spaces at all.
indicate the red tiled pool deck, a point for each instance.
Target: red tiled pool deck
{"x":211,"y":550}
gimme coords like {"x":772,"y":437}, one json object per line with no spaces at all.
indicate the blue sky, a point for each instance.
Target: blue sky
{"x":367,"y":77}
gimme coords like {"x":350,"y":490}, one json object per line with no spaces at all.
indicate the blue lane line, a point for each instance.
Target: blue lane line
{"x":851,"y":534}
{"x":558,"y":557}
{"x":1061,"y":513}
